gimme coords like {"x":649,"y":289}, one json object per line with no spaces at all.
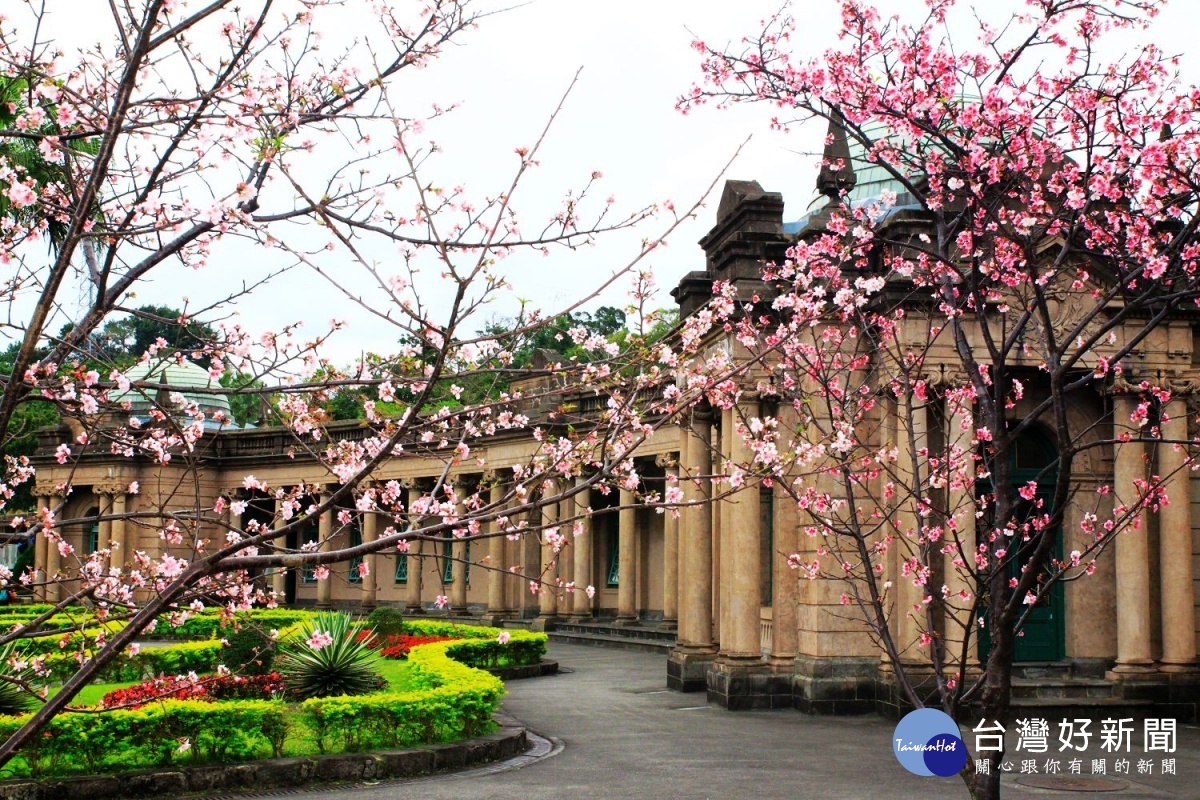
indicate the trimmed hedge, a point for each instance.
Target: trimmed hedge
{"x":479,"y":646}
{"x":459,"y":703}
{"x":208,"y":625}
{"x":150,"y":662}
{"x":155,"y":735}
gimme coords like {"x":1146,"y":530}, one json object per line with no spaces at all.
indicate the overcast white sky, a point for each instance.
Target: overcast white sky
{"x":621,"y":120}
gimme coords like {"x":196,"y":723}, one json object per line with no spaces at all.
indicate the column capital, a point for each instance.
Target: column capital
{"x":42,"y":490}
{"x":703,"y":413}
{"x":111,"y":488}
{"x":1186,"y":388}
{"x":496,"y":477}
{"x":1120,"y":386}
{"x":667,"y":460}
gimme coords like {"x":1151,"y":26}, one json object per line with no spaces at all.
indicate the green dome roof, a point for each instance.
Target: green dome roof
{"x":180,"y":377}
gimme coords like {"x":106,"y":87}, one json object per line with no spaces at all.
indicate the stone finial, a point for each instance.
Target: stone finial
{"x":734,"y":194}
{"x":837,"y":169}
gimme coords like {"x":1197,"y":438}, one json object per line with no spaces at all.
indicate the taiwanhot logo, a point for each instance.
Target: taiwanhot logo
{"x":927,"y":742}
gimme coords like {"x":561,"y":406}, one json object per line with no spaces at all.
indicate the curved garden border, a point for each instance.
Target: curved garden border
{"x":275,"y":773}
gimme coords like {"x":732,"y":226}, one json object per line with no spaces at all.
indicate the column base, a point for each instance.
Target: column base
{"x":460,"y":611}
{"x":740,"y":683}
{"x":626,"y":621}
{"x":1182,"y":668}
{"x":578,"y":618}
{"x":687,"y":667}
{"x":414,"y":611}
{"x":543,"y":623}
{"x":835,"y":684}
{"x":494,"y":619}
{"x":1131,"y":669}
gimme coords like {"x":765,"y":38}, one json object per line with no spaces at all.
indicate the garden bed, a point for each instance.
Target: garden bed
{"x":440,"y":694}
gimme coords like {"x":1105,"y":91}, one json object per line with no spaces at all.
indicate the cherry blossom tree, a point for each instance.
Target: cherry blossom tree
{"x":193,"y":132}
{"x":1007,"y":241}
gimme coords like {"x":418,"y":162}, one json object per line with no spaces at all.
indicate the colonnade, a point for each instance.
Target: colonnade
{"x":1133,"y":569}
{"x":112,"y":505}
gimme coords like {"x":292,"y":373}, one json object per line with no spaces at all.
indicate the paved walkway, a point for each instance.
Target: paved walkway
{"x":624,"y":735}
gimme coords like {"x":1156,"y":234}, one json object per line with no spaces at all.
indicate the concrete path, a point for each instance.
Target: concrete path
{"x":623,"y":735}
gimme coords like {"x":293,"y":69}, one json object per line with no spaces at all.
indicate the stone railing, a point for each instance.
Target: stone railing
{"x":766,"y":629}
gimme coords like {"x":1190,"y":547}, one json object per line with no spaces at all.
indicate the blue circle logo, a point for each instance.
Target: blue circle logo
{"x":926,"y":742}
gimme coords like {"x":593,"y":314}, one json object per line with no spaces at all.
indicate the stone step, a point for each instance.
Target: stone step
{"x":621,"y":631}
{"x":1052,"y":688}
{"x":1041,"y":672}
{"x":606,"y":640}
{"x":1056,"y":709}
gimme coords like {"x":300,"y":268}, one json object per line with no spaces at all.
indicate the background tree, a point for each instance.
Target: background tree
{"x":1008,"y":229}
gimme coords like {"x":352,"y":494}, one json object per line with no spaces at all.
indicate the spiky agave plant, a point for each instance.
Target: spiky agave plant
{"x":328,"y":657}
{"x":15,"y":697}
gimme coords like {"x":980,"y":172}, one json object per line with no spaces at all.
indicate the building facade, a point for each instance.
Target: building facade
{"x":749,"y":632}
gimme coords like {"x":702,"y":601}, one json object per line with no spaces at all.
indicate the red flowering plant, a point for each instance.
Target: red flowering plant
{"x":397,"y":646}
{"x":190,"y":687}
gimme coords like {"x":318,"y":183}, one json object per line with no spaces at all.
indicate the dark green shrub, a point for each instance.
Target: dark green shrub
{"x":386,"y":621}
{"x":251,"y":651}
{"x":329,"y":657}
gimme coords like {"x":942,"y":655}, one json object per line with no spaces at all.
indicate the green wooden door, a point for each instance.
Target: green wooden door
{"x":1043,"y":635}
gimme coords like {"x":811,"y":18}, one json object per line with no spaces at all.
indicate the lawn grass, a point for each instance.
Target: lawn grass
{"x":93,"y":693}
{"x":399,"y":675}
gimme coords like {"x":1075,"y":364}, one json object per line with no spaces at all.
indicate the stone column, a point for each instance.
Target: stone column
{"x":496,"y":548}
{"x":912,"y":436}
{"x":581,"y":604}
{"x":957,"y":563}
{"x":458,"y":550}
{"x":687,"y":664}
{"x":548,"y":592}
{"x":741,"y":567}
{"x":723,"y":436}
{"x":414,"y":603}
{"x":279,"y":576}
{"x":324,"y":532}
{"x":1132,"y":561}
{"x":670,"y":547}
{"x":627,"y":563}
{"x":370,"y":581}
{"x":565,"y":558}
{"x":739,"y":678}
{"x":104,"y":533}
{"x":785,"y":634}
{"x":1175,"y":545}
{"x":53,"y":591}
{"x":41,"y":547}
{"x":118,"y":529}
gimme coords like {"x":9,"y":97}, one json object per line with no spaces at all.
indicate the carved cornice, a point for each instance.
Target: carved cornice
{"x":1186,"y":387}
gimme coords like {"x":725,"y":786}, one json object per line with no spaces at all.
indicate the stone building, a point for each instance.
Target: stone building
{"x":748,"y":632}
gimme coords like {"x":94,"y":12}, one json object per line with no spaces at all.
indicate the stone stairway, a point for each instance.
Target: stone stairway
{"x":1055,"y":692}
{"x":645,"y":636}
